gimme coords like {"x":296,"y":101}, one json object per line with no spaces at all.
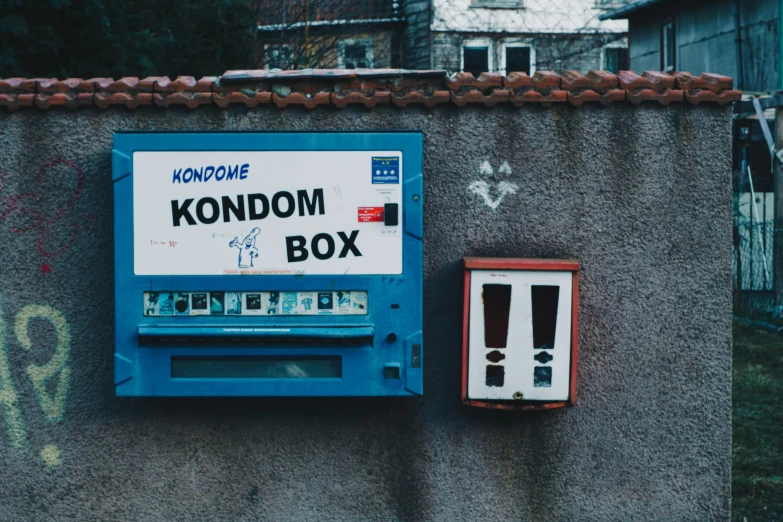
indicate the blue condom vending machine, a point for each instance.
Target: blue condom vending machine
{"x":268,"y":264}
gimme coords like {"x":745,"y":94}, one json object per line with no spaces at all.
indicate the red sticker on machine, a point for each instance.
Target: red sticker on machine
{"x":370,"y":214}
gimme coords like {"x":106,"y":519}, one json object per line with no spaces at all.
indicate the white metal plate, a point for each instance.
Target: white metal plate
{"x":519,"y":363}
{"x":348,"y":182}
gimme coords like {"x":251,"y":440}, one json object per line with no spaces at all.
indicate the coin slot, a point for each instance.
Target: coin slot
{"x":391,"y":372}
{"x":416,"y":355}
{"x":543,"y":357}
{"x":495,"y":356}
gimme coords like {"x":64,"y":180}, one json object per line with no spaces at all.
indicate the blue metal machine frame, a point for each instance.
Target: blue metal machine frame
{"x":384,"y":355}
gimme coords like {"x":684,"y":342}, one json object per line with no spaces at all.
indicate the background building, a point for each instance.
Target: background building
{"x":526,"y":35}
{"x":296,"y":34}
{"x":737,"y":38}
{"x":455,"y":35}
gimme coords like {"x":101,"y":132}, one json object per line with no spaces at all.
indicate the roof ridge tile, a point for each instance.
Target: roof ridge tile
{"x":369,"y":87}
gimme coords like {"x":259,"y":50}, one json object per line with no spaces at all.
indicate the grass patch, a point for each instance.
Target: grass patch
{"x":757,"y":424}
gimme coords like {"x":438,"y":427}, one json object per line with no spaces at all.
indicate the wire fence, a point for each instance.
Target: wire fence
{"x":752,"y":255}
{"x":753,"y":248}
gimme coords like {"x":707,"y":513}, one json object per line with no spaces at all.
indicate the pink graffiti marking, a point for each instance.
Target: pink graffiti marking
{"x":11,"y":202}
{"x":71,"y":202}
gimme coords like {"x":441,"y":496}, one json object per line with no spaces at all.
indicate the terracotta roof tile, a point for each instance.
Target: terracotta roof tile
{"x":368,"y":87}
{"x":651,"y":86}
{"x":596,"y":86}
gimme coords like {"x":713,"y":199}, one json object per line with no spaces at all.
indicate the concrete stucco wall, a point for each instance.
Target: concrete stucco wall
{"x":641,"y":196}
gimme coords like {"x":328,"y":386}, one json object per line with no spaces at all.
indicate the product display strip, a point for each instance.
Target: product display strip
{"x":185,"y":303}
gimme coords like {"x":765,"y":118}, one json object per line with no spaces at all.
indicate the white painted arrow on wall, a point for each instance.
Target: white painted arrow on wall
{"x":501,"y":189}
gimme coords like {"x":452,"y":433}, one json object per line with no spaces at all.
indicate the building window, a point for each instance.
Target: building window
{"x":668,"y":47}
{"x":476,"y":57}
{"x":277,"y":56}
{"x":518,"y":59}
{"x":517,"y":56}
{"x":355,"y":54}
{"x":615,"y":59}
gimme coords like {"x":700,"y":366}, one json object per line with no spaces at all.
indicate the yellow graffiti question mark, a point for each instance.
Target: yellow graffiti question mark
{"x":8,"y":397}
{"x":53,"y":406}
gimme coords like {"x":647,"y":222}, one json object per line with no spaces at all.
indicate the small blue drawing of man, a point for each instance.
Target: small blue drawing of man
{"x":247,"y":248}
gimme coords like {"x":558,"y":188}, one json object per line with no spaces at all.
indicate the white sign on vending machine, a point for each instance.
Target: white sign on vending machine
{"x":266,"y":212}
